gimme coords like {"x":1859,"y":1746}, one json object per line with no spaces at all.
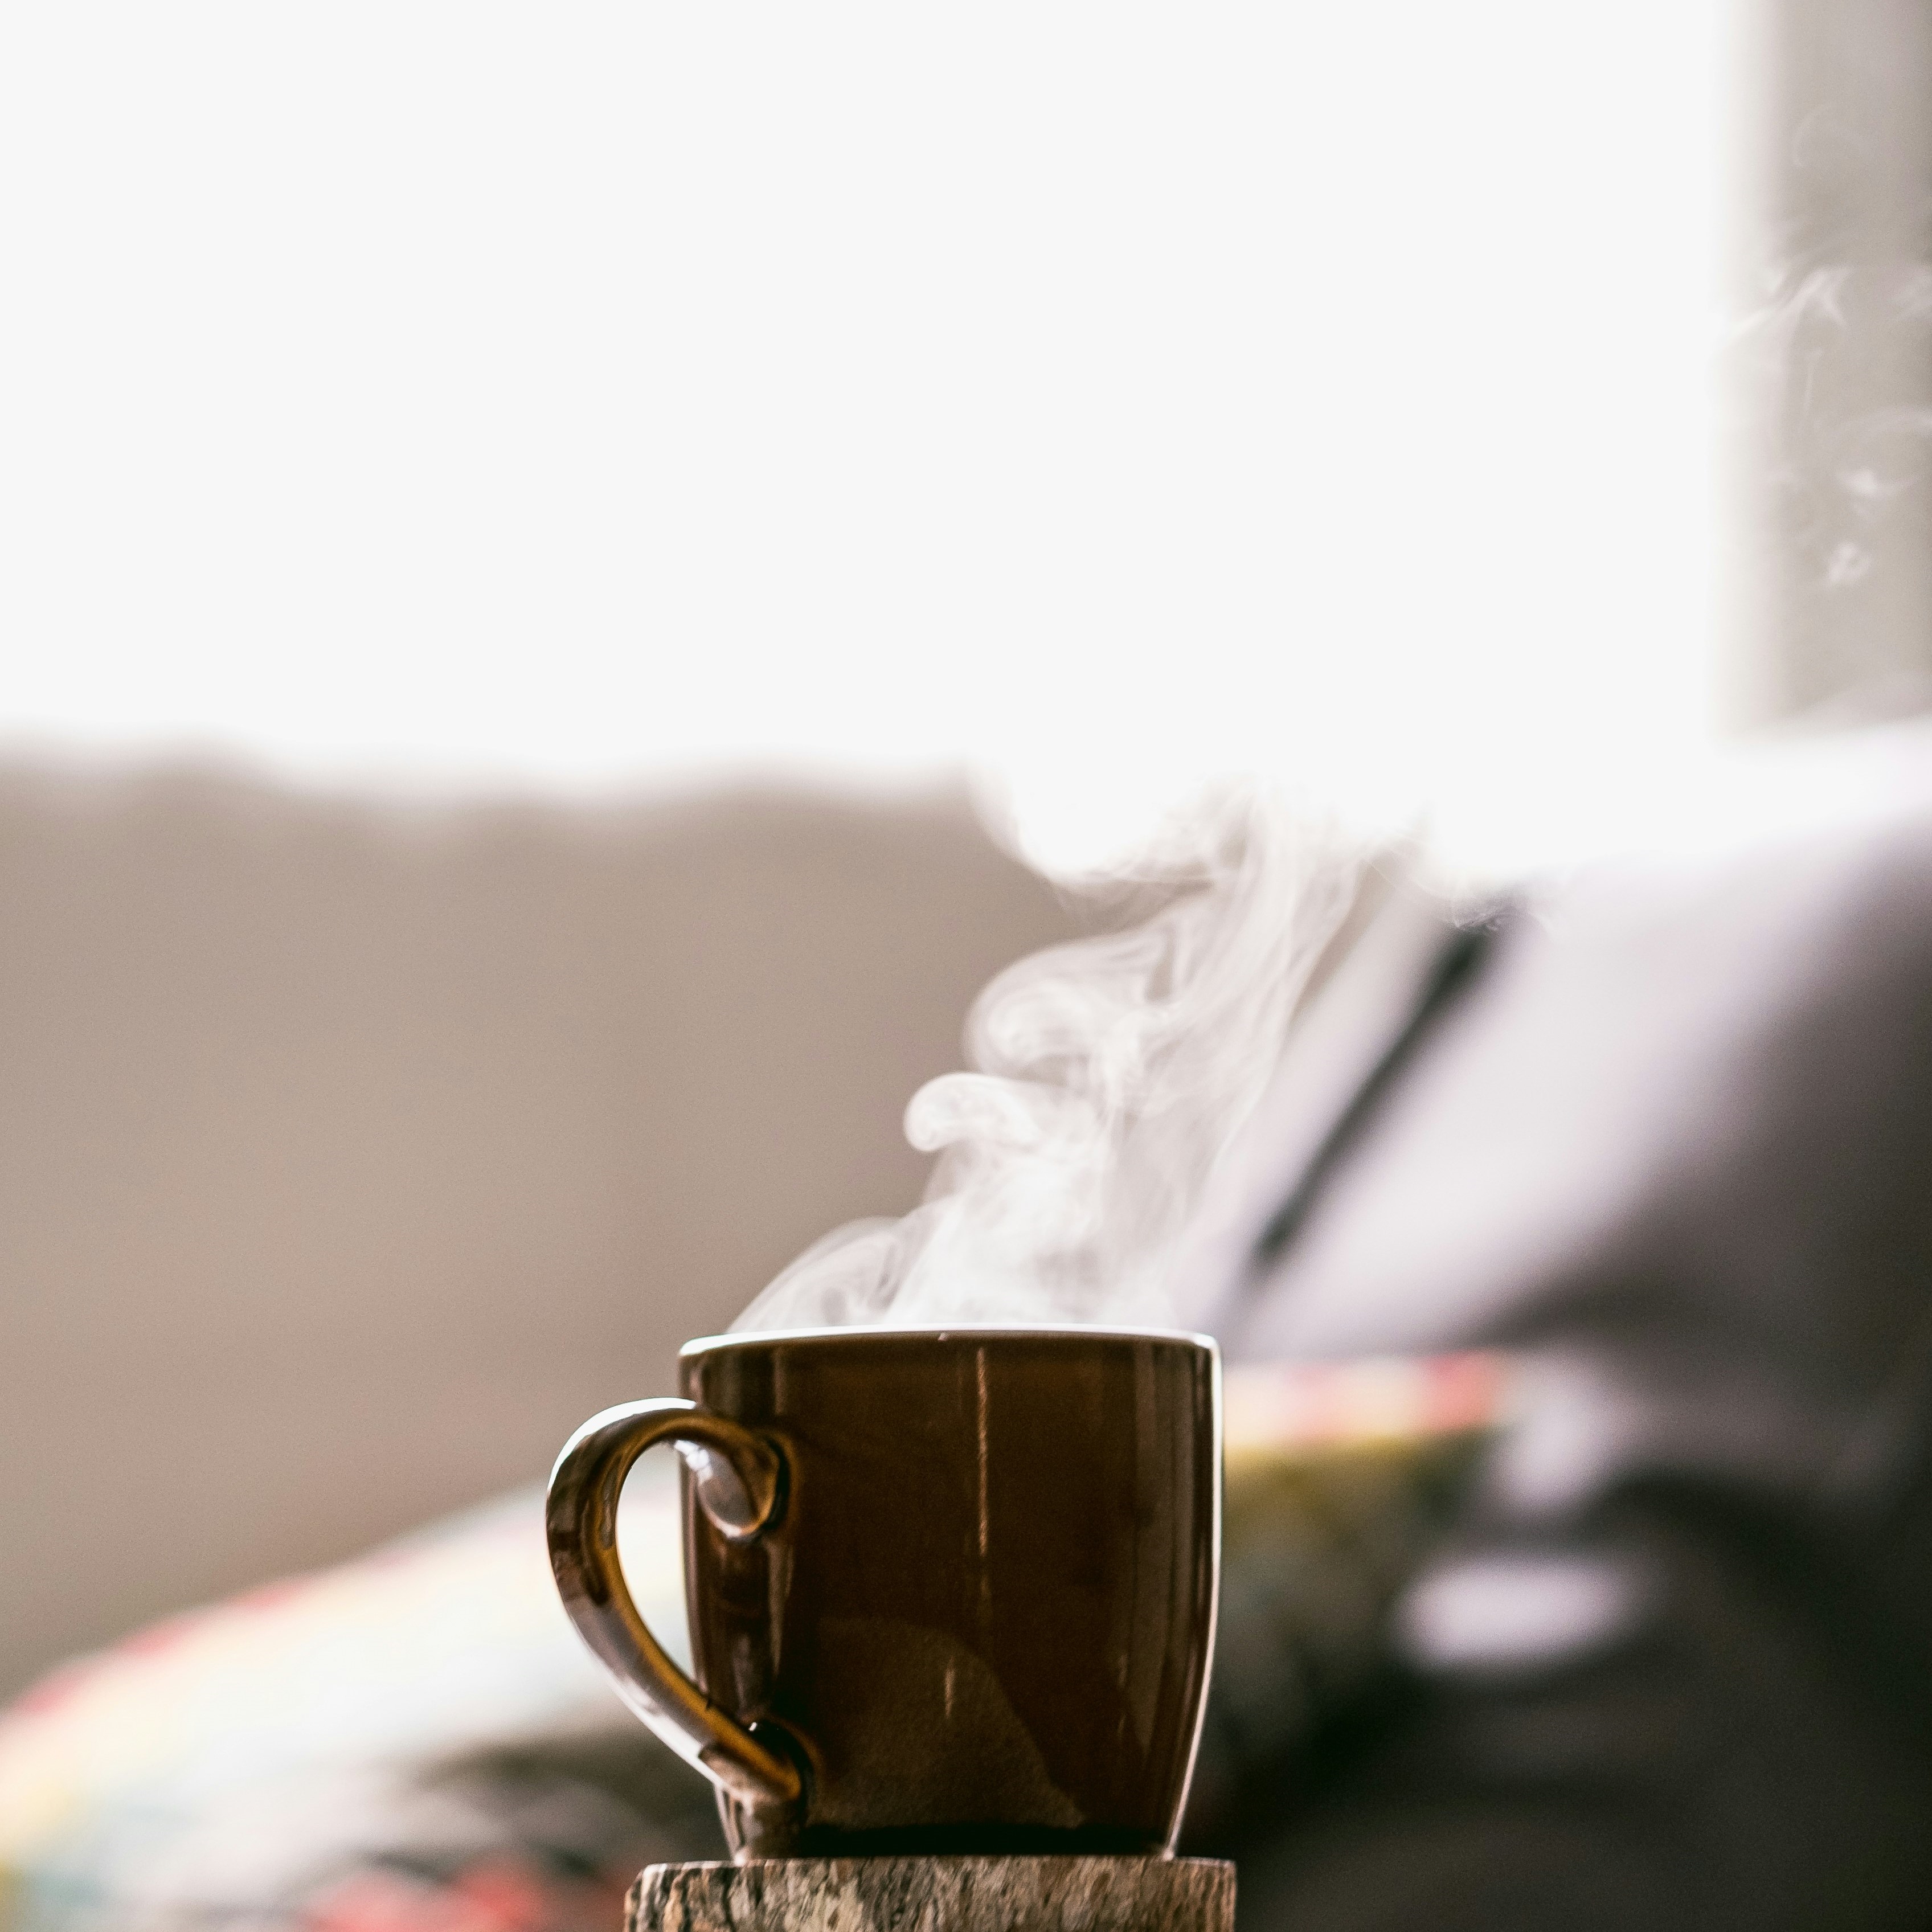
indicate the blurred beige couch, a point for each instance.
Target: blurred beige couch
{"x":351,"y":1154}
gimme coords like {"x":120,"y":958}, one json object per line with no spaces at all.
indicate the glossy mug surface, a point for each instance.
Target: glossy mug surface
{"x":949,"y":1590}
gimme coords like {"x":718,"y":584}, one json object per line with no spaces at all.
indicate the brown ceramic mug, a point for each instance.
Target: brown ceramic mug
{"x":949,"y":1590}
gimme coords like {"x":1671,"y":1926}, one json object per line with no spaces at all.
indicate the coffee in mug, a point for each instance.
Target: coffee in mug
{"x":950,"y":1591}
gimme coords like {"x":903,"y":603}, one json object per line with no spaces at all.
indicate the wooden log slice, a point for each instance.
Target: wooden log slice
{"x":937,"y":1894}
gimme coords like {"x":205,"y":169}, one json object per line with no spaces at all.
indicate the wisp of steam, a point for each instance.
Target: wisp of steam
{"x":1108,"y":1077}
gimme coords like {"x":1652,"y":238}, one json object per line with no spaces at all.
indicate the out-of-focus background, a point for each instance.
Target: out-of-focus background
{"x":556,"y":567}
{"x":354,"y":1154}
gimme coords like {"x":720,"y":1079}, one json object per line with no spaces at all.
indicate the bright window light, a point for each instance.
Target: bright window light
{"x":449,"y":394}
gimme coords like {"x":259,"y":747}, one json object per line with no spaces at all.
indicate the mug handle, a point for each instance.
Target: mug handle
{"x":740,"y":1482}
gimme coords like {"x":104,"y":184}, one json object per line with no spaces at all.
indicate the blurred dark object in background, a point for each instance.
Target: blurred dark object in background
{"x":1668,"y":1148}
{"x":350,"y":1155}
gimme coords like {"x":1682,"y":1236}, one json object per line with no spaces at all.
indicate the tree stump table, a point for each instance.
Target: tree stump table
{"x":937,"y":1894}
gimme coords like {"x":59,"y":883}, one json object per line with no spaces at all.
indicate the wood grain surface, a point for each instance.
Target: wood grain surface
{"x":937,"y":1894}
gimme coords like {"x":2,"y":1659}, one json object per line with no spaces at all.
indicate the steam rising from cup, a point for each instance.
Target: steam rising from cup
{"x":1108,"y":1077}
